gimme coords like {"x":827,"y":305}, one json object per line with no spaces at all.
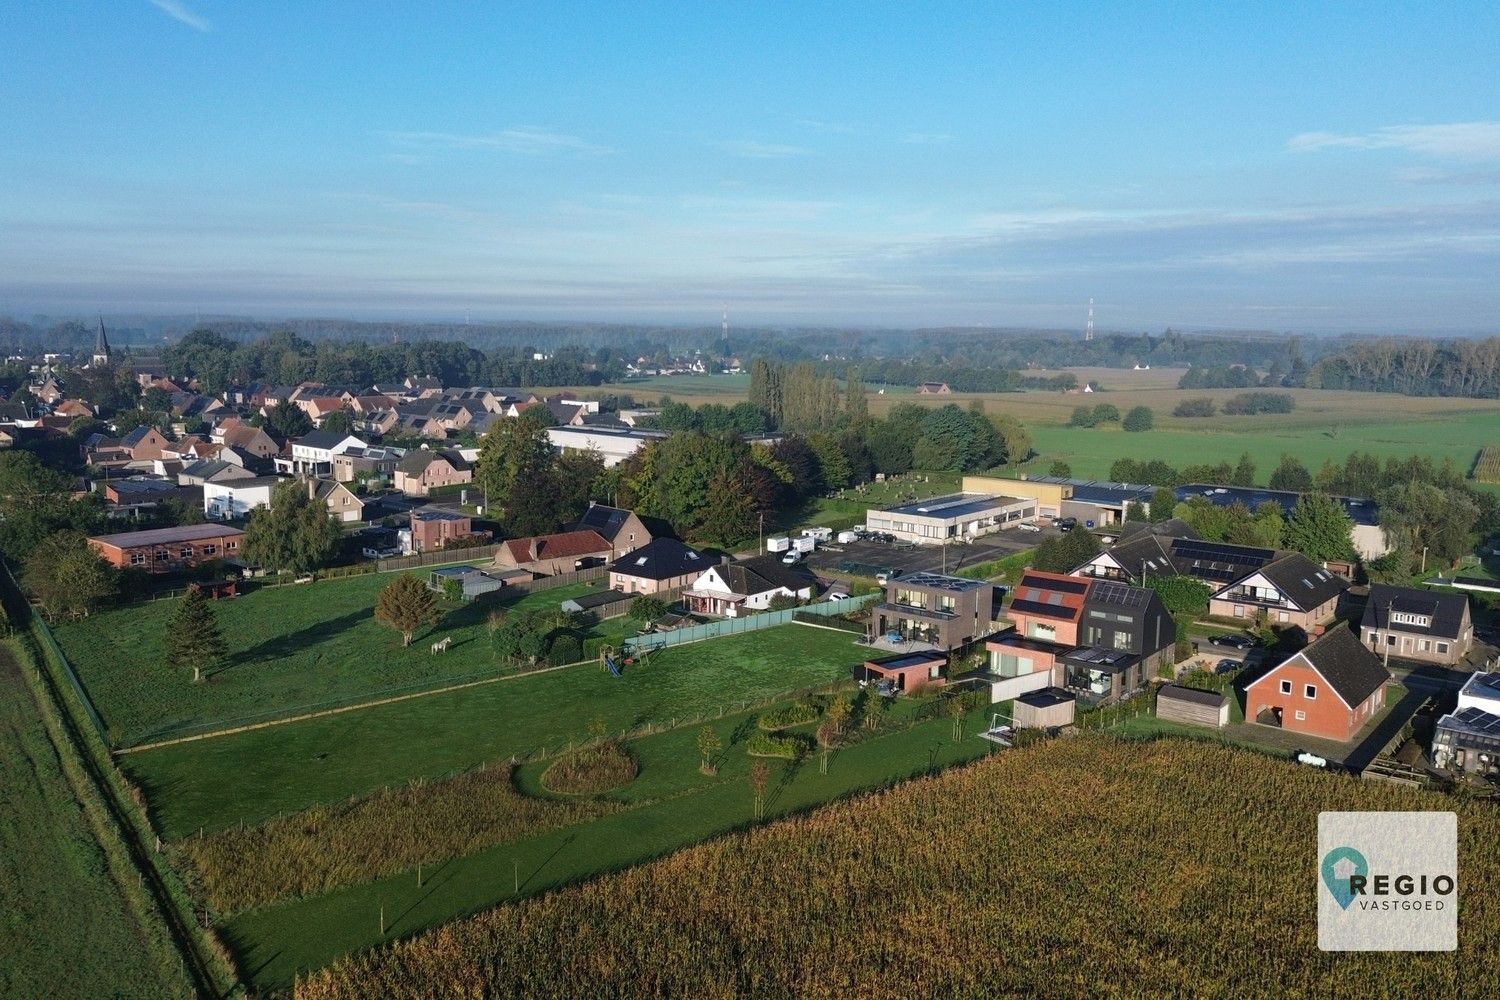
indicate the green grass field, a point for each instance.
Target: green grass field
{"x":65,"y":929}
{"x":1089,"y":451}
{"x":291,"y":648}
{"x":254,"y":775}
{"x":674,"y":806}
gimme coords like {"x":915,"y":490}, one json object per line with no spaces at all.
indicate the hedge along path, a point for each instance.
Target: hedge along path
{"x":348,"y":708}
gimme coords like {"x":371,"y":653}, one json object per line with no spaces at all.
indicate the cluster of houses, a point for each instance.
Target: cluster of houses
{"x":1096,"y":635}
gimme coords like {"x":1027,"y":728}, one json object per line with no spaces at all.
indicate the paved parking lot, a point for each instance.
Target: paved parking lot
{"x":868,"y":558}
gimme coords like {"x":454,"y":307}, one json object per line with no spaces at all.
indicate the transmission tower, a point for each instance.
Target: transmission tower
{"x":1088,"y":331}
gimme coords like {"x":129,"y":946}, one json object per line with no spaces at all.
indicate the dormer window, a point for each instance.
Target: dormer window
{"x":1407,"y":618}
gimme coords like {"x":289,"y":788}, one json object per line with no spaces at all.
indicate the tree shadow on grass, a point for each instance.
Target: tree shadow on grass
{"x":282,"y":646}
{"x":788,"y":775}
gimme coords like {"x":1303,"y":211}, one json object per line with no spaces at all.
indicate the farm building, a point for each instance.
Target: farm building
{"x":903,"y":671}
{"x":549,"y":555}
{"x":951,"y":518}
{"x":1330,"y":689}
{"x":1045,"y":708}
{"x":1193,"y":706}
{"x":595,"y":601}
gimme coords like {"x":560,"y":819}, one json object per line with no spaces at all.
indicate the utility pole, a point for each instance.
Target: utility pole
{"x":1390,"y":607}
{"x":1424,"y":560}
{"x":761,"y":544}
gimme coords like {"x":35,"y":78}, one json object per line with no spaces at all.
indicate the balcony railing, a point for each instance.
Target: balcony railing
{"x":914,"y":611}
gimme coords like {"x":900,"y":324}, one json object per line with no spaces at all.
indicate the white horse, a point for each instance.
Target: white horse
{"x":441,"y":646}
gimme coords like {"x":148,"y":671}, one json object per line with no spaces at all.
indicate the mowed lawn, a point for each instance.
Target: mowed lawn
{"x":676,"y":806}
{"x":291,"y":649}
{"x":65,"y":929}
{"x":255,"y":775}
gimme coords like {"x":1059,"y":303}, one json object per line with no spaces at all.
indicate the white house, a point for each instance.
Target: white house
{"x":235,"y":498}
{"x":312,"y":454}
{"x":739,"y":588}
{"x":614,"y":446}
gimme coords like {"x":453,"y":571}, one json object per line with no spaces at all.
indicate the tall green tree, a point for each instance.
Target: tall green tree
{"x":295,"y":534}
{"x":855,"y":403}
{"x":1292,"y":475}
{"x":1163,"y":503}
{"x":1319,"y":528}
{"x":1244,"y":471}
{"x":516,"y":469}
{"x":287,"y":420}
{"x":194,"y":638}
{"x":405,"y":605}
{"x":67,"y":577}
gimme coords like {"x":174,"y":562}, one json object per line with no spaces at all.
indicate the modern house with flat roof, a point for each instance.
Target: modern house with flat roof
{"x":1368,"y":537}
{"x":950,"y":518}
{"x":903,"y":671}
{"x":1468,"y":738}
{"x":943,"y":612}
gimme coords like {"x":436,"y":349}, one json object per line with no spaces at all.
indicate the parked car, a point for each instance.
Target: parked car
{"x":1233,"y":641}
{"x":1066,"y":524}
{"x":1227,"y":666}
{"x":1027,"y":526}
{"x":792,"y":558}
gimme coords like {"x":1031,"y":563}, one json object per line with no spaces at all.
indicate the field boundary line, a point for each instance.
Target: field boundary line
{"x":321,"y":713}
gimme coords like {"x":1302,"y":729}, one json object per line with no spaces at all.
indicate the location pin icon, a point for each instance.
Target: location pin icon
{"x":1338,"y":865}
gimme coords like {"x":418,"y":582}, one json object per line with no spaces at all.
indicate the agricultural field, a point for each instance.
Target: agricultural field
{"x":65,"y":929}
{"x":291,"y":649}
{"x":1171,"y":868}
{"x":670,"y":806}
{"x":255,"y":775}
{"x":1487,"y":465}
{"x":1324,"y":424}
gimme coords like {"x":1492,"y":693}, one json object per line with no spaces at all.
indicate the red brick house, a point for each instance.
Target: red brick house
{"x":1331,"y":689}
{"x":168,"y":550}
{"x":904,"y":671}
{"x":553,"y":554}
{"x":437,"y":529}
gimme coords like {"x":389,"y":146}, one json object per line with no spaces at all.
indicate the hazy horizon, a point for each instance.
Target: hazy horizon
{"x":1309,"y":171}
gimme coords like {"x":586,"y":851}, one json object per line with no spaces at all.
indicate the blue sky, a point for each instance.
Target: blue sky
{"x":1329,"y":168}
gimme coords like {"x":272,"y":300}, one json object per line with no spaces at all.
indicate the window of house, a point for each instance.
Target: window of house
{"x":1374,"y":636}
{"x":186,"y":552}
{"x":1310,"y":691}
{"x":1301,"y":716}
{"x":231,"y":546}
{"x":1283,"y":616}
{"x":1286,"y":687}
{"x":1122,"y":641}
{"x":1425,"y":645}
{"x":209,"y":550}
{"x":1239,"y":611}
{"x":1390,"y":640}
{"x":1442,"y":647}
{"x":136,"y":558}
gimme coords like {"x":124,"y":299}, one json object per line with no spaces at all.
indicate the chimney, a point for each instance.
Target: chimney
{"x":312,"y":488}
{"x":535,"y":548}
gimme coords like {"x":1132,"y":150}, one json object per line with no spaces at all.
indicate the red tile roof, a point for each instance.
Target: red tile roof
{"x":568,"y":544}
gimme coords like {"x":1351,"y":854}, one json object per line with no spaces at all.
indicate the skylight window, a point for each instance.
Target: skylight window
{"x":641,"y":561}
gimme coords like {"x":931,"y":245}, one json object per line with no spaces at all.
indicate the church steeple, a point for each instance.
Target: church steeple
{"x":101,"y":346}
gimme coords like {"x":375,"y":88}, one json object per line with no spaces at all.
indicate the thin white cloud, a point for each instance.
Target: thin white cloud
{"x":527,"y":141}
{"x":754,"y":150}
{"x":1458,"y":140}
{"x":926,"y":138}
{"x":179,"y":12}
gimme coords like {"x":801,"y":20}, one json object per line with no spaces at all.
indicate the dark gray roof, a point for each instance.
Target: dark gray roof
{"x":1046,"y":697}
{"x":1197,"y":696}
{"x":760,"y":574}
{"x":1143,"y":553}
{"x":1361,"y":510}
{"x":603,"y":597}
{"x":661,"y":559}
{"x":1119,"y":595}
{"x":1302,"y":581}
{"x":166,"y":536}
{"x":1445,"y":611}
{"x":940,"y":581}
{"x":136,"y":436}
{"x":608,"y":521}
{"x":1472,"y":728}
{"x":1352,"y":670}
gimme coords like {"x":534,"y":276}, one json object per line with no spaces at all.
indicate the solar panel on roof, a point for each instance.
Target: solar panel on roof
{"x":1221,"y":551}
